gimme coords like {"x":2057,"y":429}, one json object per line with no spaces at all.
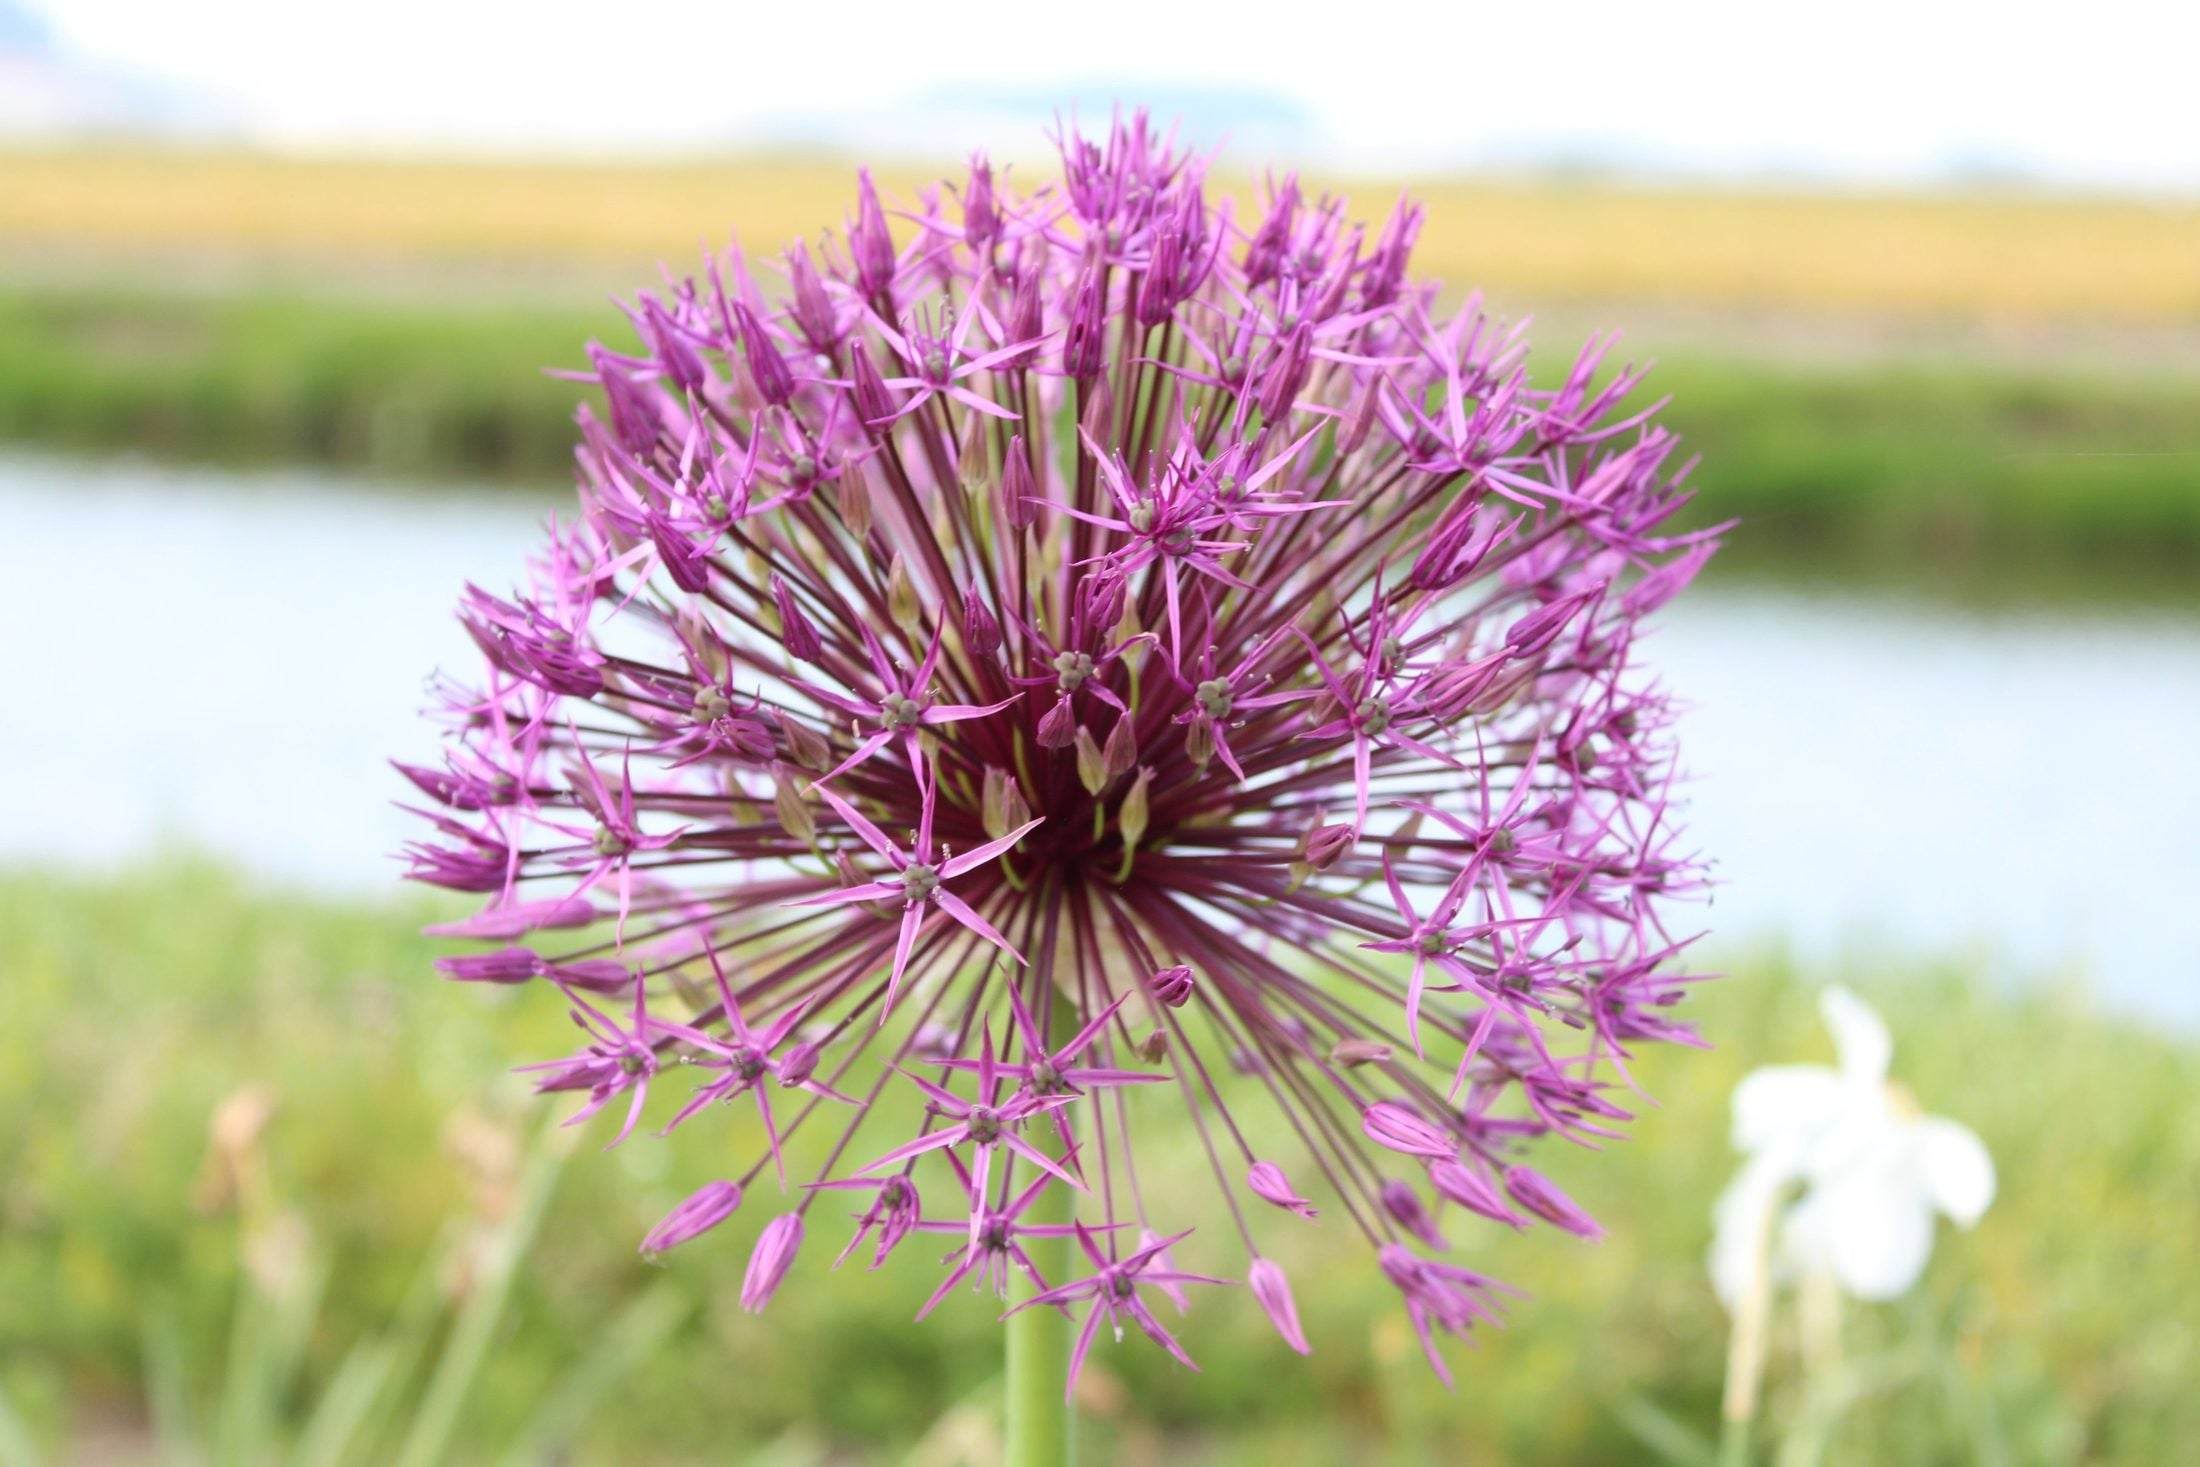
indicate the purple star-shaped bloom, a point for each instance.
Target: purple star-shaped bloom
{"x":904,"y":708}
{"x":1113,"y":1289}
{"x":917,"y":879}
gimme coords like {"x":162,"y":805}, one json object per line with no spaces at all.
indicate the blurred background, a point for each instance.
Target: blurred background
{"x":278,"y":284}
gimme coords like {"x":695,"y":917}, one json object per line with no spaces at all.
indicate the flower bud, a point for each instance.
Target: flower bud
{"x":1106,"y":599}
{"x":870,"y":246}
{"x":804,"y":744}
{"x":874,"y":403}
{"x":1058,"y":729}
{"x":768,"y":1264}
{"x":1405,"y":1205}
{"x":1325,"y":843}
{"x":981,"y":215}
{"x":974,"y":457}
{"x":901,"y":597}
{"x":800,"y":1063}
{"x":1121,"y":753}
{"x":1539,"y":628}
{"x":1172,"y":986}
{"x":1131,"y":819}
{"x":1352,"y":1053}
{"x":704,"y":1209}
{"x":993,"y":787}
{"x":1019,"y":494}
{"x":981,"y":629}
{"x":597,"y":975}
{"x":795,"y":632}
{"x":1397,"y":1126}
{"x":1466,"y":1186}
{"x":505,"y":965}
{"x":1154,"y":1048}
{"x":1092,"y":770}
{"x":767,"y":368}
{"x":1085,"y":338}
{"x":852,"y":494}
{"x":1536,"y":1192}
{"x":517,"y":918}
{"x":1273,"y":1291}
{"x":1270,"y":1185}
{"x":790,"y":806}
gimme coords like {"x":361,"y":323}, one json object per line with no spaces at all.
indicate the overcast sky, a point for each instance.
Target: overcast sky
{"x":2101,"y":92}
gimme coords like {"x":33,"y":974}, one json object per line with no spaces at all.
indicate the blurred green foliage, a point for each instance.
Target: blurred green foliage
{"x":132,"y":1007}
{"x":1953,"y":472}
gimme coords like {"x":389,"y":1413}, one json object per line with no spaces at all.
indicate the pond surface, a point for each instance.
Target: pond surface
{"x":224,"y":662}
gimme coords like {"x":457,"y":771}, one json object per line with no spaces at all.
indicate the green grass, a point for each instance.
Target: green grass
{"x":1957,"y":473}
{"x":2059,"y":1331}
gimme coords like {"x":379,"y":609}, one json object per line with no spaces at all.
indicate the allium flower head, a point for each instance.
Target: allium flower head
{"x":1079,"y":662}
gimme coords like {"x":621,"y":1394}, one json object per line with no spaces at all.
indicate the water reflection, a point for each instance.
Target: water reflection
{"x":227,"y":661}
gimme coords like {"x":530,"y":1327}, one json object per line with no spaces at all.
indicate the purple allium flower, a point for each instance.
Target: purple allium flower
{"x":953,"y":656}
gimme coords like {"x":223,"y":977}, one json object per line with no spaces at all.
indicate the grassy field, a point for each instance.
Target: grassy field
{"x":2032,"y":430}
{"x":1972,"y":255}
{"x":132,"y":1007}
{"x":1975,"y":476}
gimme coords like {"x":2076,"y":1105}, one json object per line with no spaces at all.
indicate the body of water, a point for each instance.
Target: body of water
{"x":225,"y":662}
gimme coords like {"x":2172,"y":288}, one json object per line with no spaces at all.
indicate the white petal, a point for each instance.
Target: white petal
{"x":1954,"y":1168}
{"x":1874,"y":1232}
{"x":1740,"y":1219}
{"x":1782,"y":1104}
{"x":1859,"y":1036}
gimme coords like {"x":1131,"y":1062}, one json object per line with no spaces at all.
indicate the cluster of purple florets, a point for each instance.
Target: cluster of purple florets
{"x":1077,"y":661}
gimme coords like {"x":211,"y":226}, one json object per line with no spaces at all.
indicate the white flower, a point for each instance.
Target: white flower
{"x":1871,"y":1168}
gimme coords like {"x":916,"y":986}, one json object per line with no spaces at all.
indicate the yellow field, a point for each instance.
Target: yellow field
{"x":1965,"y":257}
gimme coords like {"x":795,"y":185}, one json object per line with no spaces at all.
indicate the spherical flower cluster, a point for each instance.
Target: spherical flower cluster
{"x":1077,"y":662}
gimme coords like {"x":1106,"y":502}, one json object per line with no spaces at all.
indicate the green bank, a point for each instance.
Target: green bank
{"x":136,"y":1009}
{"x":1962,"y":474}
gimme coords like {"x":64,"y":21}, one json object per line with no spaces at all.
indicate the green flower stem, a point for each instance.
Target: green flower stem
{"x":1041,"y":1427}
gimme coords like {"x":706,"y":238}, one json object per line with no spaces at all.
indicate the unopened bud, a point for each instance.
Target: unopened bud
{"x":1352,"y":1053}
{"x":787,"y":802}
{"x":1325,"y":843}
{"x":1018,"y":492}
{"x":901,"y":597}
{"x":804,"y":744}
{"x":1092,"y":770}
{"x":1404,"y":1204}
{"x":1131,"y":819}
{"x":981,"y":629}
{"x":993,"y":788}
{"x":1172,"y":986}
{"x":1058,"y":730}
{"x":1154,"y":1047}
{"x":853,"y":495}
{"x":1121,"y":754}
{"x":798,"y":1066}
{"x":974,"y":457}
{"x":795,"y":632}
